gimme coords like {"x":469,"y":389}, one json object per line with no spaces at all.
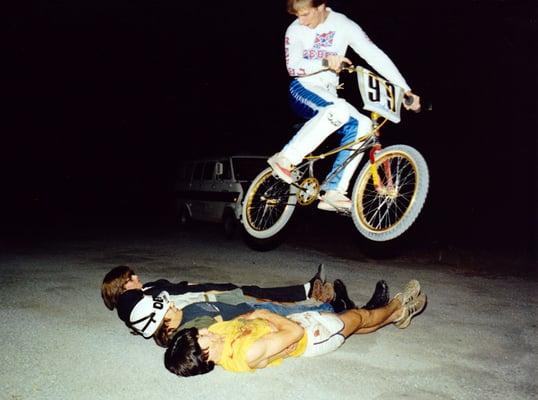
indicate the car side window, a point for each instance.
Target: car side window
{"x":185,"y":172}
{"x":226,"y":170}
{"x":209,"y":170}
{"x":198,"y":169}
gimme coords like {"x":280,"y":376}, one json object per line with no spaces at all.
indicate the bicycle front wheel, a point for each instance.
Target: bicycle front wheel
{"x":268,"y":205}
{"x":385,"y":210}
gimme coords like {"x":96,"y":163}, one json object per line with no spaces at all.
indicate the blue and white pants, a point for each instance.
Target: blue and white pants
{"x":326,"y":113}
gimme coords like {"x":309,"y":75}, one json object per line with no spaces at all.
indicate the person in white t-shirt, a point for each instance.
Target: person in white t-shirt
{"x":318,"y":37}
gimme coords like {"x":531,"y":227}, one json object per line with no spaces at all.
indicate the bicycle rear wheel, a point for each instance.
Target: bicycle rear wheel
{"x":268,"y":205}
{"x":386,"y":212}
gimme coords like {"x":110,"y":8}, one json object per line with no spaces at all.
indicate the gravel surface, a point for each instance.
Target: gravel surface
{"x":477,"y":339}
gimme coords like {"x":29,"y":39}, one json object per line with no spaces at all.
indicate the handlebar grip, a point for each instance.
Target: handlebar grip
{"x":408,"y":100}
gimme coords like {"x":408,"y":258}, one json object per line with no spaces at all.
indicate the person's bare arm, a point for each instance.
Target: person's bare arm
{"x":282,"y":341}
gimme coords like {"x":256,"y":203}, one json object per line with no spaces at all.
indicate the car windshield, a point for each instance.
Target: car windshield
{"x":246,"y":169}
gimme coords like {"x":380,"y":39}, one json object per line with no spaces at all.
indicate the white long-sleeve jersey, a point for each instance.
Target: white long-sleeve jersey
{"x":305,"y":49}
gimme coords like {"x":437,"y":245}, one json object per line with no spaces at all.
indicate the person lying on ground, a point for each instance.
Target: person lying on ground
{"x":160,"y":318}
{"x":261,"y":338}
{"x":123,"y":278}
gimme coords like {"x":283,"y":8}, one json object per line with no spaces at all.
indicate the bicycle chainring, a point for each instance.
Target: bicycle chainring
{"x":308,"y":192}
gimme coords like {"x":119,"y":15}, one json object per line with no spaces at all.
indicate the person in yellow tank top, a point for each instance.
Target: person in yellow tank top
{"x":262,"y":338}
{"x":240,"y":336}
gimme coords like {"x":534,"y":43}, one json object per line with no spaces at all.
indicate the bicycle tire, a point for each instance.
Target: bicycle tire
{"x":268,"y":205}
{"x":385,"y":216}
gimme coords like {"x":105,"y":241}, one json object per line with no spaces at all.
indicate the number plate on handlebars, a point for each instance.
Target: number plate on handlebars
{"x":379,"y":95}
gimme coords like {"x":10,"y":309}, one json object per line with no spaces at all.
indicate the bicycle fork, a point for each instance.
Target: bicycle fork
{"x":388,"y":185}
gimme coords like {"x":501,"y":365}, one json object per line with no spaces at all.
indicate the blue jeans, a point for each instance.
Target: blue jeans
{"x":306,"y":104}
{"x":291,"y":309}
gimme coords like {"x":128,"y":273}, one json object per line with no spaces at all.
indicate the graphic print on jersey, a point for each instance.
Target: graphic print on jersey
{"x":324,"y":40}
{"x":317,"y":52}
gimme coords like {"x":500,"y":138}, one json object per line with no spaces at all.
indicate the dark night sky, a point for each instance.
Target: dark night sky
{"x":103,"y":99}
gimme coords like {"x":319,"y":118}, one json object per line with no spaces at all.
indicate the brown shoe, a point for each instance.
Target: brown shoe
{"x":327,"y":292}
{"x":323,"y":292}
{"x":316,"y":290}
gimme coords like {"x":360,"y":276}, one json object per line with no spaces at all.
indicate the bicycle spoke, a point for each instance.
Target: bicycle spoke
{"x":268,"y":203}
{"x":386,"y":210}
{"x":384,"y":207}
{"x":382,"y":213}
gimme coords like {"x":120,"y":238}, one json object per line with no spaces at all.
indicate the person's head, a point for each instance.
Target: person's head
{"x":310,"y":13}
{"x":189,"y":353}
{"x":169,"y":326}
{"x":117,"y":281}
{"x":144,"y":314}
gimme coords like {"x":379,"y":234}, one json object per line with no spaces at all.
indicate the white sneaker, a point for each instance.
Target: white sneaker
{"x":333,"y":200}
{"x":282,"y":167}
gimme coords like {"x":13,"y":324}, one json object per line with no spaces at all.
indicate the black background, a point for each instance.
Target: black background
{"x":102,"y":100}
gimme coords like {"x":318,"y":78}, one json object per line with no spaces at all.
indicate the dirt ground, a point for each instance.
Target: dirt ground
{"x":477,"y":338}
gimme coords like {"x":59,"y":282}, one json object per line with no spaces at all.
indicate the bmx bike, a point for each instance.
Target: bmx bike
{"x":388,"y":193}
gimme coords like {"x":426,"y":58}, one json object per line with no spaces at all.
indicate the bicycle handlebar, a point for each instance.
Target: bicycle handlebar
{"x":408,"y":100}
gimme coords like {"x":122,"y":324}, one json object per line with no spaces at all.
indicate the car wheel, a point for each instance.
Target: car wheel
{"x":229,"y":223}
{"x":184,"y":217}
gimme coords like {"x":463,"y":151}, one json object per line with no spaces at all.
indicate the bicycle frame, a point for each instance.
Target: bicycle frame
{"x":387,"y":195}
{"x":370,"y":142}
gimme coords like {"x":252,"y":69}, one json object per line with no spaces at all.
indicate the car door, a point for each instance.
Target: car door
{"x":209,"y":191}
{"x":196,"y":191}
{"x":223,"y":187}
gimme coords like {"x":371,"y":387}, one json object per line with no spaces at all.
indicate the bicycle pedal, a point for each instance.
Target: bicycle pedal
{"x":296,"y":175}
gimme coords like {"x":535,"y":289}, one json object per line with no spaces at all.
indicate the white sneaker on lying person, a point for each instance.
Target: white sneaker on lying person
{"x":333,"y":200}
